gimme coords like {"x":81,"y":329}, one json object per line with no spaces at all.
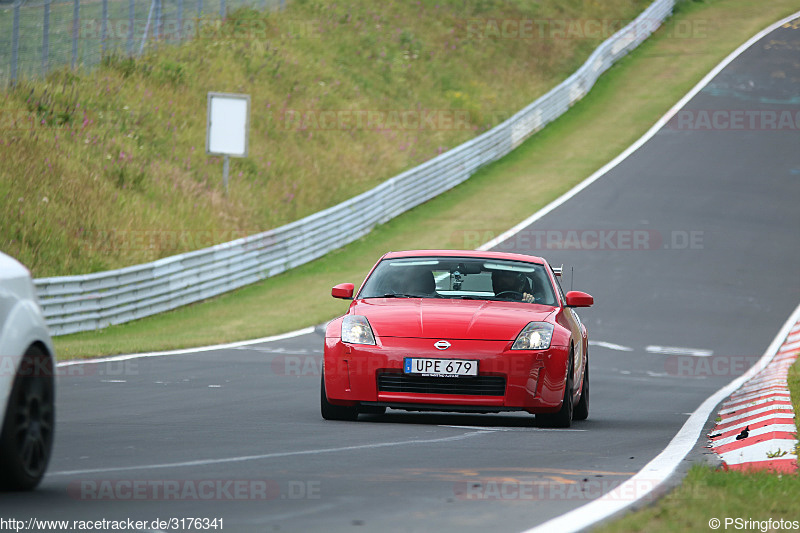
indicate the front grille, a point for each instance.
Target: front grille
{"x":477,"y":385}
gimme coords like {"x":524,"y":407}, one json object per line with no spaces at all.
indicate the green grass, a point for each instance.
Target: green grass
{"x":708,"y":493}
{"x":107,"y":168}
{"x":593,"y":132}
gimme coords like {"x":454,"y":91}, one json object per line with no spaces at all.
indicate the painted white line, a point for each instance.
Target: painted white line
{"x":676,"y":350}
{"x":656,"y":472}
{"x":223,"y":460}
{"x":610,"y":346}
{"x":267,"y":349}
{"x":126,"y":357}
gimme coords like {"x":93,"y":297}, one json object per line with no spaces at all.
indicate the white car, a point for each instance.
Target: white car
{"x":27,"y":381}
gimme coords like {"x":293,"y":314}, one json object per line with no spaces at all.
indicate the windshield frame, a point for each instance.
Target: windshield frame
{"x":448,"y":279}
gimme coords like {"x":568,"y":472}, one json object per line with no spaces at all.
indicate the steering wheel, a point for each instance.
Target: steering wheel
{"x":514,"y":294}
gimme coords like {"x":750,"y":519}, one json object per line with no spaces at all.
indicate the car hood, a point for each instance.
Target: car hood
{"x":448,"y":319}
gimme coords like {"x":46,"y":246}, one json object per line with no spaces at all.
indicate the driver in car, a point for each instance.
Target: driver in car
{"x":513,"y":284}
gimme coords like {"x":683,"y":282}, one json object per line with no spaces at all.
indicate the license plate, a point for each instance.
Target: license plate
{"x":440,"y":368}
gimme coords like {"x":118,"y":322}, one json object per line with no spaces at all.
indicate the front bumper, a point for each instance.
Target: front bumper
{"x":508,"y":380}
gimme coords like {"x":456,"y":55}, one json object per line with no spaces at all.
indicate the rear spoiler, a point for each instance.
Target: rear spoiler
{"x":558,"y":270}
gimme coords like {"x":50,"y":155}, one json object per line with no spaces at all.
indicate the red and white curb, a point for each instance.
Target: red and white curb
{"x":756,"y":427}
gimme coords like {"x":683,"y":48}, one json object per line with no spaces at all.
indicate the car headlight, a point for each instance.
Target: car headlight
{"x":534,"y":336}
{"x":356,"y":330}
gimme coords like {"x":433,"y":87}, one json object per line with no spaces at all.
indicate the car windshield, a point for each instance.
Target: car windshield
{"x":459,"y":278}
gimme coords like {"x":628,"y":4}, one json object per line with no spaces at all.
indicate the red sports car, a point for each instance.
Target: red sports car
{"x":464,"y":331}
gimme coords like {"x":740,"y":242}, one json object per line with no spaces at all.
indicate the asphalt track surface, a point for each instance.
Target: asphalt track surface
{"x":715,"y":270}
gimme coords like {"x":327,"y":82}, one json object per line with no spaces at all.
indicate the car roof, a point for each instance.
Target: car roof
{"x":10,"y":268}
{"x":479,"y":254}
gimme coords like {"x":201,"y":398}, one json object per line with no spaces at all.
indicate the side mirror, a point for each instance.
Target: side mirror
{"x":579,"y":299}
{"x":343,"y":291}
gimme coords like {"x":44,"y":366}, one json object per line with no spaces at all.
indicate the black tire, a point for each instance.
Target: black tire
{"x":29,"y":424}
{"x":334,"y":412}
{"x":562,"y":418}
{"x":581,"y":411}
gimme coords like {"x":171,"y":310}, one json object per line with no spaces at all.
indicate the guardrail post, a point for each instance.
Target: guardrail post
{"x":222,"y":9}
{"x":180,"y":21}
{"x":46,"y":38}
{"x":104,"y":29}
{"x":157,"y":32}
{"x":76,"y":20}
{"x":131,"y":13}
{"x":15,"y":42}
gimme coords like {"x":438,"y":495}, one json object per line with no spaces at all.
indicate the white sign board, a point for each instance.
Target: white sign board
{"x":227,"y":124}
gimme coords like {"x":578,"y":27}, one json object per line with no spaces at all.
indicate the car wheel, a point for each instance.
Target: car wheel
{"x":562,"y":418}
{"x":581,"y":411}
{"x":334,"y":412}
{"x":27,"y":435}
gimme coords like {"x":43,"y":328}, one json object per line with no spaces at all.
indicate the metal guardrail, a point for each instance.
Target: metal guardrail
{"x":94,"y":301}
